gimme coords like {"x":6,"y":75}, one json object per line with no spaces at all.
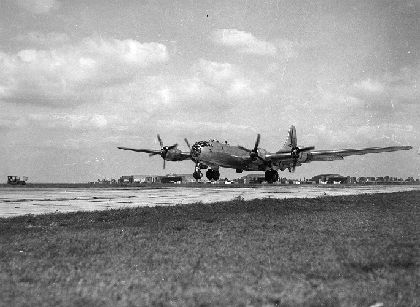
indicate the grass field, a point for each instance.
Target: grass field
{"x":332,"y":251}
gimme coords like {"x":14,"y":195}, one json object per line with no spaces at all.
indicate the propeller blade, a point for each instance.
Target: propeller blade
{"x":292,"y":136}
{"x":243,"y":148}
{"x":188,"y":144}
{"x":140,"y":150}
{"x":306,"y":148}
{"x":164,"y":163}
{"x":160,"y":140}
{"x":154,"y":153}
{"x":257,"y":142}
{"x":171,"y":147}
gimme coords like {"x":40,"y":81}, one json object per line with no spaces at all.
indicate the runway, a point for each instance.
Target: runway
{"x":21,"y":201}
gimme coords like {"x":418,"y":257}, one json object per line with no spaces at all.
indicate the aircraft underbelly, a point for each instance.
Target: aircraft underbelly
{"x":221,"y":159}
{"x":226,"y":160}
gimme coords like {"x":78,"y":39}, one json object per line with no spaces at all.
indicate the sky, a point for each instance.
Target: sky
{"x":79,"y":78}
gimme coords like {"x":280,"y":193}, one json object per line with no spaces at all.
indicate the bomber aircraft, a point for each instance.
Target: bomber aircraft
{"x":213,"y":154}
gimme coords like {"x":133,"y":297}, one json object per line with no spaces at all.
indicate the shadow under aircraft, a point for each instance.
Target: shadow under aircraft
{"x":212,"y":155}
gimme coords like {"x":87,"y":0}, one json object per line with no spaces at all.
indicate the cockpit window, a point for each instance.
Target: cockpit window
{"x":203,"y":143}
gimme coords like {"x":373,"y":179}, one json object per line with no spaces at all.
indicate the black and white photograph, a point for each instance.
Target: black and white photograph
{"x":209,"y":153}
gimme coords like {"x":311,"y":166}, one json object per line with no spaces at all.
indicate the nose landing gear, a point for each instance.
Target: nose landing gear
{"x":197,"y":172}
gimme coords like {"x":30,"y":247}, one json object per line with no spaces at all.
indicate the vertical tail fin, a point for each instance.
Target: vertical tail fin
{"x":291,"y":140}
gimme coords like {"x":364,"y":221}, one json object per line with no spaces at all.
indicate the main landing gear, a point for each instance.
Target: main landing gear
{"x":213,"y":174}
{"x":271,"y":175}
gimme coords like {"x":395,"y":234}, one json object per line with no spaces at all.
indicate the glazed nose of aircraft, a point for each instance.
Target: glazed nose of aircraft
{"x":196,"y":149}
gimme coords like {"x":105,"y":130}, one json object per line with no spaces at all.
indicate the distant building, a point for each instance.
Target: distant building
{"x":239,"y":180}
{"x":187,"y":178}
{"x":351,"y":180}
{"x":149,"y":179}
{"x":329,"y":179}
{"x":126,"y":179}
{"x":253,"y":178}
{"x":370,"y":180}
{"x":145,"y":179}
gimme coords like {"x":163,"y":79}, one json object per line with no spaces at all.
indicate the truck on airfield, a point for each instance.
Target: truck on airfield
{"x":15,"y":180}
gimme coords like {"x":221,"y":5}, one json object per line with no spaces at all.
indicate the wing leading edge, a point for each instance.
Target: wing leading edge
{"x":339,"y":154}
{"x":140,"y":150}
{"x":334,"y":154}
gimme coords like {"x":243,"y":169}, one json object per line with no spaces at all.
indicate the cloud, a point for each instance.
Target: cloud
{"x":73,"y":73}
{"x":395,"y":90}
{"x":59,"y":120}
{"x":220,"y":83}
{"x":43,"y":39}
{"x":385,"y":134}
{"x":206,"y":85}
{"x":231,"y":80}
{"x":244,"y":42}
{"x":38,"y":6}
{"x":190,"y":125}
{"x":370,"y":86}
{"x":374,"y":98}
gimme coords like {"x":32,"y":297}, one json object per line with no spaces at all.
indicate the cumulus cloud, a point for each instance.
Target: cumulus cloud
{"x":243,"y":41}
{"x":63,"y":75}
{"x":206,"y":84}
{"x":38,"y":6}
{"x":231,"y":80}
{"x":220,"y":83}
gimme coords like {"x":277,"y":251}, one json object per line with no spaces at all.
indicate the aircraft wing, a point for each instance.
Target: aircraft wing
{"x":334,"y":154}
{"x":141,"y":150}
{"x":339,"y":154}
{"x":185,"y":155}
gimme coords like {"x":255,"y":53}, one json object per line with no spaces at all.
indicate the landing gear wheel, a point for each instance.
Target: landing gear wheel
{"x":197,"y":175}
{"x":276,"y":176}
{"x":209,"y":174}
{"x":271,"y":175}
{"x":212,"y":174}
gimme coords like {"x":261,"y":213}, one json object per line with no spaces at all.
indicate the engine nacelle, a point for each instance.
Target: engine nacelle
{"x":303,"y":157}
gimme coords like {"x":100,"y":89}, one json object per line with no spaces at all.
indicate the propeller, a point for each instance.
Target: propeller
{"x":163,"y":150}
{"x":188,"y":144}
{"x":254,"y":152}
{"x":295,"y":153}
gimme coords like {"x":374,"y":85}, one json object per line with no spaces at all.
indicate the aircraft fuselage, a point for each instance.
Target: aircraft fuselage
{"x":216,"y":154}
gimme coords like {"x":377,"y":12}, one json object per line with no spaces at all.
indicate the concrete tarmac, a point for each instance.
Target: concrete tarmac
{"x":20,"y":200}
